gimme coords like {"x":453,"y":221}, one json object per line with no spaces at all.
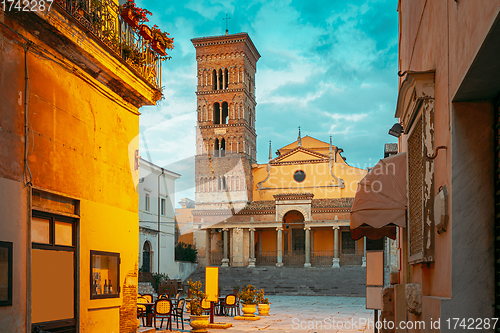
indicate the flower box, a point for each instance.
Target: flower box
{"x":129,"y":17}
{"x":158,"y":47}
{"x":145,"y":32}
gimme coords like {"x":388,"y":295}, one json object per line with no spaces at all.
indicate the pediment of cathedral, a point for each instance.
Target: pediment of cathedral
{"x":300,"y":154}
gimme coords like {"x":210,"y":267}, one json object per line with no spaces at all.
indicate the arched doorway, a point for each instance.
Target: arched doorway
{"x":146,"y":257}
{"x":294,"y":239}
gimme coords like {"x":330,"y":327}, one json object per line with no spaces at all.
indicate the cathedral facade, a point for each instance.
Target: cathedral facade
{"x":293,"y":210}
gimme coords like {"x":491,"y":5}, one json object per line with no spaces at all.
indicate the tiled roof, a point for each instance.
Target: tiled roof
{"x":332,"y":203}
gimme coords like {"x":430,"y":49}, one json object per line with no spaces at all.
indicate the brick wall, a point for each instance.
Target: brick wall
{"x":128,"y":310}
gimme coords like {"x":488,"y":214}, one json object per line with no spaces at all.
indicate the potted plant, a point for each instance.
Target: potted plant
{"x":198,"y":321}
{"x":263,"y":303}
{"x":161,"y":41}
{"x":145,"y":32}
{"x":247,"y":297}
{"x":134,"y":15}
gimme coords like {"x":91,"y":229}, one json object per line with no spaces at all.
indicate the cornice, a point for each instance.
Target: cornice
{"x":214,"y":92}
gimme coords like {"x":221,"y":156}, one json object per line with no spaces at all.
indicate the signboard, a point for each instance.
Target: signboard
{"x":211,"y":283}
{"x":374,"y":279}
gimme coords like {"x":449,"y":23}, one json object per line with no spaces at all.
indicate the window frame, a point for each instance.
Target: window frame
{"x":163,"y":206}
{"x":147,"y":202}
{"x":9,"y":247}
{"x":118,"y":263}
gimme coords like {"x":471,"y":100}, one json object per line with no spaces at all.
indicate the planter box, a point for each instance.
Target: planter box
{"x":158,"y":48}
{"x":145,"y":32}
{"x":129,"y":17}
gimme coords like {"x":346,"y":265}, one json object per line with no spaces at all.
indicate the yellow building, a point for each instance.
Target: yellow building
{"x":69,"y":123}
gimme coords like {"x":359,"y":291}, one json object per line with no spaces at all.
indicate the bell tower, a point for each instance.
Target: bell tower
{"x":226,"y":137}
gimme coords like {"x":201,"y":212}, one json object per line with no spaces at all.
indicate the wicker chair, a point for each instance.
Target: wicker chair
{"x":141,"y":309}
{"x":178,"y":313}
{"x":205,"y":305}
{"x":163,"y":310}
{"x":149,"y":297}
{"x":231,"y":304}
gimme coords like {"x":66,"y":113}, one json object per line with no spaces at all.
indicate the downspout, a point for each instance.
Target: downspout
{"x":27,"y":178}
{"x":159,"y":218}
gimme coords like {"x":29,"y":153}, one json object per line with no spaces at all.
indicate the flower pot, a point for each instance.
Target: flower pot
{"x":249,"y":310}
{"x":158,"y":47}
{"x":264,"y":309}
{"x":199,"y":324}
{"x":145,"y":32}
{"x":129,"y":17}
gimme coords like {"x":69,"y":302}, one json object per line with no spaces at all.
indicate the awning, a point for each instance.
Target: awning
{"x":380,"y":201}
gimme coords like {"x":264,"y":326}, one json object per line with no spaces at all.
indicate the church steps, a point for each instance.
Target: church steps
{"x":314,"y":281}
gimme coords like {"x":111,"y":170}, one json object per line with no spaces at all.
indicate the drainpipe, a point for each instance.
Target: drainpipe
{"x":159,"y":218}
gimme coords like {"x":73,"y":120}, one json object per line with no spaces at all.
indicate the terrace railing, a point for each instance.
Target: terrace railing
{"x":102,"y":18}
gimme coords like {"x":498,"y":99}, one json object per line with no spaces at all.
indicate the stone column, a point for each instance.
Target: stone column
{"x":308,"y":247}
{"x":364,"y":253}
{"x":223,"y":80}
{"x":217,"y":80}
{"x":279,"y":252}
{"x":225,"y":260}
{"x":336,"y":259}
{"x":251,"y":259}
{"x":259,"y":242}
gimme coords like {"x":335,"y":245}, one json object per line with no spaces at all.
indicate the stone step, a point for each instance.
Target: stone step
{"x":314,"y":281}
{"x":145,"y":288}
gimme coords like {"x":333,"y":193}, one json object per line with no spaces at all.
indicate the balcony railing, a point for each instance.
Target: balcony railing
{"x":102,"y":18}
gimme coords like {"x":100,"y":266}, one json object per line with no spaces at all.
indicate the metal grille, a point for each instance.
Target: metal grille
{"x":497,"y":211}
{"x":415,"y":177}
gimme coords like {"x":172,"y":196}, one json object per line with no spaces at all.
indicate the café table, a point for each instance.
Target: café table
{"x":149,"y":313}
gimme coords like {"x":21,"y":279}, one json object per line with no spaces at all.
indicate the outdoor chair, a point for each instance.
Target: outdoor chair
{"x":141,"y":309}
{"x":231,"y":304}
{"x":149,"y":297}
{"x":163,"y":296}
{"x":163,"y":310}
{"x":178,"y":313}
{"x":205,"y":305}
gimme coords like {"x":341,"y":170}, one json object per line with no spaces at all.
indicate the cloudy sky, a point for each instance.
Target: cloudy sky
{"x":328,"y":66}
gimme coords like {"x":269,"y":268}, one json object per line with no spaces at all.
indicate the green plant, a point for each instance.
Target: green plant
{"x":197,"y":296}
{"x":185,"y":252}
{"x":159,"y":278}
{"x":135,"y":55}
{"x":260,"y":299}
{"x":248,"y":295}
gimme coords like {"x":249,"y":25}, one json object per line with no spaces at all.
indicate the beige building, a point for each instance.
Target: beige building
{"x":448,"y":108}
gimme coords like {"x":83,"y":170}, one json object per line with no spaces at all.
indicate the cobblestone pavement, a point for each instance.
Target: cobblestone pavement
{"x":332,"y":314}
{"x":309,"y":314}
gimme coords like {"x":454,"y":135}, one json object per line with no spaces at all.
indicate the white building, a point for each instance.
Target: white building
{"x":156,"y":219}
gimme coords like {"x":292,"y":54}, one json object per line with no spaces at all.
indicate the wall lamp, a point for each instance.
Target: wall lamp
{"x":396,"y":130}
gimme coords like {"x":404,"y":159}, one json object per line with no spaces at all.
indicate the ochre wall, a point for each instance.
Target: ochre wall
{"x":268,"y":240}
{"x":323,"y":239}
{"x":79,"y":143}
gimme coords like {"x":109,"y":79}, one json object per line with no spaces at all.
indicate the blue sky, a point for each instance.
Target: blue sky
{"x":328,"y":66}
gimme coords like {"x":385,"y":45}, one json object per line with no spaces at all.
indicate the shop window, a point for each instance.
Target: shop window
{"x":5,"y":273}
{"x":105,"y":274}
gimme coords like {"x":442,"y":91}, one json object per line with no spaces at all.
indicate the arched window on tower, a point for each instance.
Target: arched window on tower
{"x":226,"y":79}
{"x":214,"y":79}
{"x":220,"y":79}
{"x":223,"y":148}
{"x":216,"y":148}
{"x":224,"y":113}
{"x":216,"y":113}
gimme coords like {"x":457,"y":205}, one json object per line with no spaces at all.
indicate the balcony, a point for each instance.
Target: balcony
{"x":93,"y":36}
{"x":102,"y":19}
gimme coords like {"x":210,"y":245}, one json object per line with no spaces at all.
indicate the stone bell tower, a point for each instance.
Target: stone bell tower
{"x":226,"y":137}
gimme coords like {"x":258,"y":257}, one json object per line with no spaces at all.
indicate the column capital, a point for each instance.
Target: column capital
{"x":251,"y":229}
{"x":336,"y":227}
{"x":225,"y":229}
{"x":307,"y":228}
{"x":279,"y":229}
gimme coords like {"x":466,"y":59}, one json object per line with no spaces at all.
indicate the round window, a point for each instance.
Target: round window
{"x":299,"y":176}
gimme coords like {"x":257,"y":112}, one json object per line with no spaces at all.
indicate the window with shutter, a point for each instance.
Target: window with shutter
{"x":415,"y":195}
